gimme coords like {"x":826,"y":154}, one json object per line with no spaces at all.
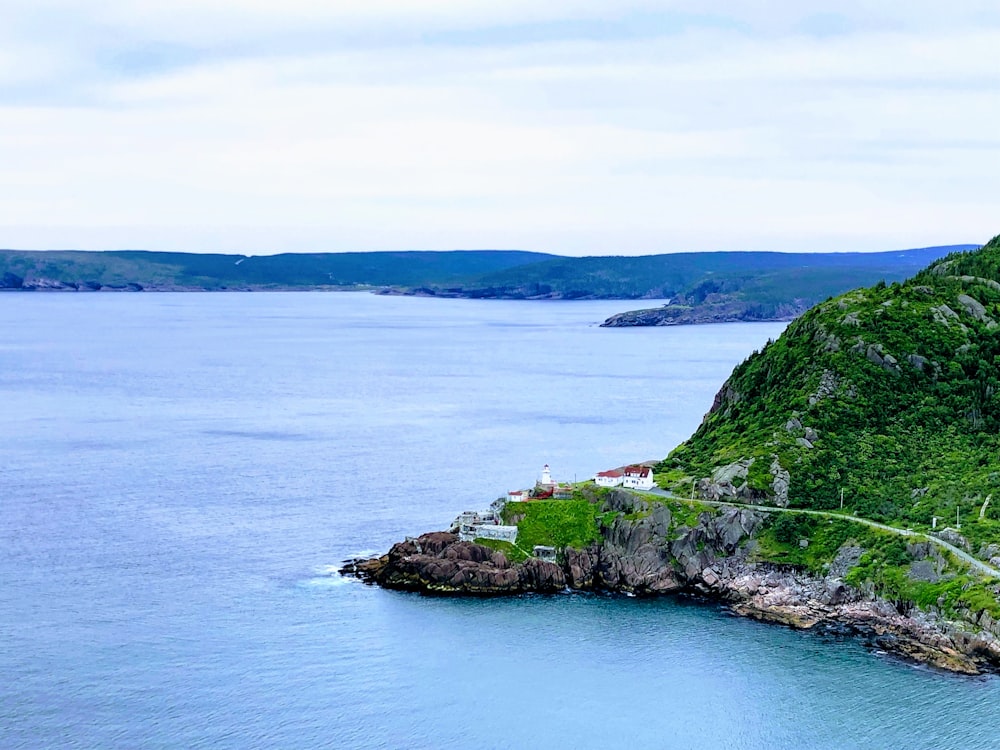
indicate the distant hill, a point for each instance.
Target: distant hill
{"x":120,"y":269}
{"x":701,"y":287}
{"x":660,"y":276}
{"x":779,"y":286}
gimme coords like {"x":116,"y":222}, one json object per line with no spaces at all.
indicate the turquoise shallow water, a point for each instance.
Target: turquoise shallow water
{"x":181,"y":474}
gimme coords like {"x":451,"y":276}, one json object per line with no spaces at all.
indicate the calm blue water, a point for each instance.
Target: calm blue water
{"x":180,"y":474}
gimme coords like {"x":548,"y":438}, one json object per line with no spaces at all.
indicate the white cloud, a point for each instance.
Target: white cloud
{"x":877,"y":135}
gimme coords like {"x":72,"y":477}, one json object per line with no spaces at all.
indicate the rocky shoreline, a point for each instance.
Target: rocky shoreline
{"x":645,"y":551}
{"x":700,"y":314}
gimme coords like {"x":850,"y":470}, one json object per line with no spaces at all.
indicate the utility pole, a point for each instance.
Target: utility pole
{"x":841,"y":498}
{"x":692,"y":487}
{"x":958,"y":521}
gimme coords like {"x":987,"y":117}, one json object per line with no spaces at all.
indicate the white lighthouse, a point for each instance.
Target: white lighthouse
{"x":546,"y":476}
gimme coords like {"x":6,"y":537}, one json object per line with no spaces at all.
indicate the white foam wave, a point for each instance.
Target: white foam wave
{"x":329,"y":581}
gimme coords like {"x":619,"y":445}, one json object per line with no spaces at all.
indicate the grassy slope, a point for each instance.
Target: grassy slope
{"x":883,"y":432}
{"x":557,"y":523}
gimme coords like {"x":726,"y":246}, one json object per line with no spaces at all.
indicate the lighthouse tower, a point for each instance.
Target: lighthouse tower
{"x":546,"y":476}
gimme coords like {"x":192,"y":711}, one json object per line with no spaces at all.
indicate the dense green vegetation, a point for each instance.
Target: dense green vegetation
{"x":884,"y":566}
{"x":555,"y":523}
{"x":779,"y":541}
{"x":901,"y":385}
{"x":890,"y":395}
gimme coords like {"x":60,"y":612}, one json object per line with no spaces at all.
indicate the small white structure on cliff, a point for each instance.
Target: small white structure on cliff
{"x":474,"y":524}
{"x":546,"y":479}
{"x":638,"y":477}
{"x":488,"y":531}
{"x":548,"y":554}
{"x":612,"y":478}
{"x":634,"y":477}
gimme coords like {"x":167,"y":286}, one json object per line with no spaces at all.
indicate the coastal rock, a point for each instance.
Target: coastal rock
{"x":622,"y":501}
{"x":713,"y":309}
{"x":581,"y":567}
{"x":846,"y":558}
{"x":438,"y":563}
{"x":647,"y":571}
{"x":714,"y":557}
{"x":634,"y":558}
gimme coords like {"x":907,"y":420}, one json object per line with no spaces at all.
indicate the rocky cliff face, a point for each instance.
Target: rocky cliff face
{"x":646,"y":551}
{"x":438,"y":563}
{"x":712,"y":311}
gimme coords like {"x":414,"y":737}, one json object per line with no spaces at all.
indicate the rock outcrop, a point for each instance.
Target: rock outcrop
{"x":438,"y":563}
{"x":645,"y":550}
{"x":721,"y":311}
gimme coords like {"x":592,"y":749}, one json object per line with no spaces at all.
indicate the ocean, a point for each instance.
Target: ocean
{"x":182,"y":474}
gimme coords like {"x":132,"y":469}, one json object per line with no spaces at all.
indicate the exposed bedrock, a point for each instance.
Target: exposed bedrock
{"x":645,"y":550}
{"x":438,"y":563}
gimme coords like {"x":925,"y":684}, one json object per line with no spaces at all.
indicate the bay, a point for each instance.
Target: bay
{"x":180,"y":475}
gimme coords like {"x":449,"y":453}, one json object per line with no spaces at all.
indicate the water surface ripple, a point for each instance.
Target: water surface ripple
{"x":180,"y":475}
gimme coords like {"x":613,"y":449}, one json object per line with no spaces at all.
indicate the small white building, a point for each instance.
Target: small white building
{"x":611,"y":478}
{"x":517,"y":496}
{"x":489,"y":531}
{"x":546,"y":479}
{"x":547,"y":554}
{"x":638,"y":478}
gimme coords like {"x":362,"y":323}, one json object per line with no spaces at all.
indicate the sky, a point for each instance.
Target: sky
{"x":568,"y":126}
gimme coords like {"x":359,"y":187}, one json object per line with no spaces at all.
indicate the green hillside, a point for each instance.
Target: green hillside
{"x":889,"y":395}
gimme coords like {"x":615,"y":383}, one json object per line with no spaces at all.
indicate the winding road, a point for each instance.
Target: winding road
{"x":973,"y":562}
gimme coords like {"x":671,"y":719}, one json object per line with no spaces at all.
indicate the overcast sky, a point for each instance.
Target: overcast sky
{"x":567,"y":126}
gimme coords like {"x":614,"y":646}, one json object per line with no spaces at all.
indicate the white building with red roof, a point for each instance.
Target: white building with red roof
{"x":611,"y":478}
{"x":638,"y":478}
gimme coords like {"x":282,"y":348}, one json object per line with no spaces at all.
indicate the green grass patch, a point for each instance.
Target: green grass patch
{"x":604,"y":520}
{"x":554,"y":523}
{"x":675,"y":480}
{"x":779,"y":540}
{"x":759,"y":475}
{"x":950,"y":595}
{"x":686,"y":512}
